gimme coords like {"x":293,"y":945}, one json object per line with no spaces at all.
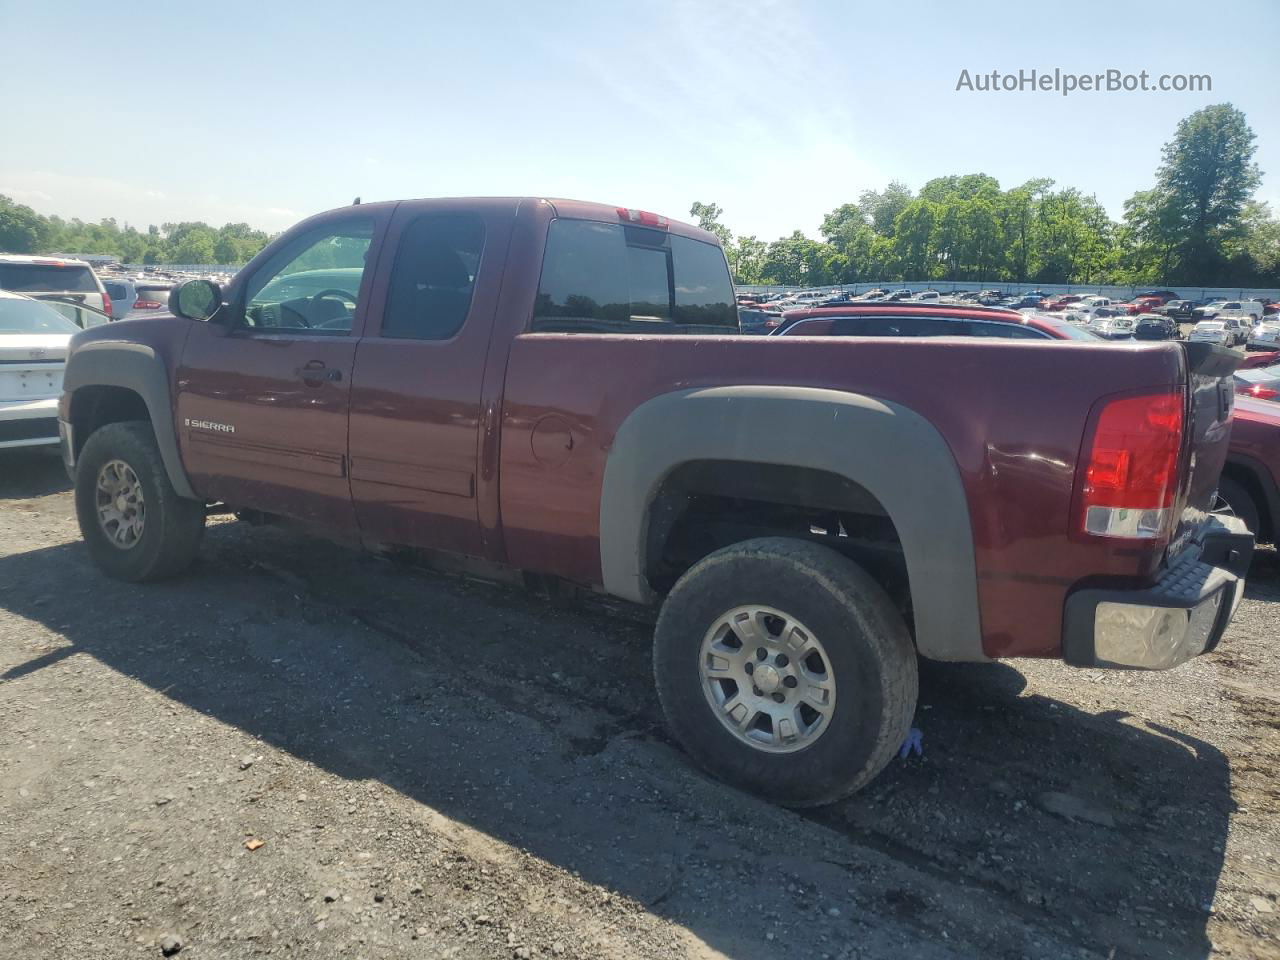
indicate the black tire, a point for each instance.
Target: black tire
{"x":1238,"y":502}
{"x":172,"y":525}
{"x":872,"y":659}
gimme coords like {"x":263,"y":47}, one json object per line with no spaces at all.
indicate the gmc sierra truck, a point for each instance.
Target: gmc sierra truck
{"x":560,"y":389}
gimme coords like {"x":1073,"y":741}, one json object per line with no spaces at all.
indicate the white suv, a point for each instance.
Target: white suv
{"x":49,"y":278}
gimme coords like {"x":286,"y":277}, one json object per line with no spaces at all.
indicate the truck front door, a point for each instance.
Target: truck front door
{"x":418,"y":395}
{"x":262,"y":401}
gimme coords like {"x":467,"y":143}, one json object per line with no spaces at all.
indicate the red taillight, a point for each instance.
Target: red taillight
{"x":147,"y":304}
{"x":106,"y":305}
{"x":1261,"y":392}
{"x":643,"y":217}
{"x":1130,"y":474}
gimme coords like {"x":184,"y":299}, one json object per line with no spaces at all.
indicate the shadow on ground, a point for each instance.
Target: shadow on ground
{"x":31,"y":472}
{"x":538,"y":726}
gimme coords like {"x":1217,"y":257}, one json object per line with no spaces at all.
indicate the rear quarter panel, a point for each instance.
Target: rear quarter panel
{"x":1013,"y":414}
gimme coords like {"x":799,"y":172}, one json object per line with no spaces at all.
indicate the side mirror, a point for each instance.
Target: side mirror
{"x":196,"y":300}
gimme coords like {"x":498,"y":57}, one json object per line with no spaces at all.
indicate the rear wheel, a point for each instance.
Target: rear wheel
{"x":784,"y":669}
{"x":135,"y":525}
{"x":1235,"y":500}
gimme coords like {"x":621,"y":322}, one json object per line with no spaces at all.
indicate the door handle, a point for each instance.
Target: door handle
{"x":316,"y":372}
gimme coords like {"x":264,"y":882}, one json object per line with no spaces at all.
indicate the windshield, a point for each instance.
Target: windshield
{"x":28,"y":316}
{"x":1069,"y":331}
{"x":1209,"y":327}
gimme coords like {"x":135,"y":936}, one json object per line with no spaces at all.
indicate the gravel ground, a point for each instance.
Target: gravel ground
{"x":302,"y":750}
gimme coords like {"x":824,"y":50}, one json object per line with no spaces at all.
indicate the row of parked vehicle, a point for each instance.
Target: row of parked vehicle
{"x":1154,"y":315}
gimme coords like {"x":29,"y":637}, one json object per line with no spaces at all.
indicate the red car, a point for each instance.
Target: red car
{"x":1250,"y":484}
{"x":558,"y":392}
{"x":1143,"y":305}
{"x":1061,"y":303}
{"x":1251,"y":477}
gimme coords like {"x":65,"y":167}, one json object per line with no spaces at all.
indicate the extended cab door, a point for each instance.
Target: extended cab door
{"x":418,"y":395}
{"x":262,"y":399}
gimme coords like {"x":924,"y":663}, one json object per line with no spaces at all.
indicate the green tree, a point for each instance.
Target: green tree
{"x":708,"y":217}
{"x":22,"y":230}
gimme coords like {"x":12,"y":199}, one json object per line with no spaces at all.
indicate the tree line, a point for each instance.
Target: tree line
{"x":1197,"y":226}
{"x":23,"y":230}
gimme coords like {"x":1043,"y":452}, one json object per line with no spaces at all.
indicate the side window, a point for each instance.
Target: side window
{"x":898,"y":327}
{"x":611,"y":278}
{"x":433,"y":277}
{"x":312,"y":285}
{"x":1005,"y":331}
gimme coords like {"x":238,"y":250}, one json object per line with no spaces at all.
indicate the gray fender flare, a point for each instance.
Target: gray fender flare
{"x":133,"y":366}
{"x":889,"y":449}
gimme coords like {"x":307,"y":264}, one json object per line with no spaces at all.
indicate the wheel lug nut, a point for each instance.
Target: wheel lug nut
{"x":779,"y":697}
{"x":761,"y":653}
{"x":782,"y":660}
{"x":749,"y":667}
{"x":756,"y":691}
{"x":789,"y":681}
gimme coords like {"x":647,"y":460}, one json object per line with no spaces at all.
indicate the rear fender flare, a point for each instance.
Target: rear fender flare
{"x":890,"y":450}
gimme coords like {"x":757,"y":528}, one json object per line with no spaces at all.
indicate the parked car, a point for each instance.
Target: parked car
{"x":1250,"y":484}
{"x":1177,"y":309}
{"x":926,"y":296}
{"x":545,"y":386}
{"x":1029,"y":301}
{"x":1152,"y":326}
{"x":120,"y":290}
{"x":1265,"y":336}
{"x":151,"y":298}
{"x":1164,"y":296}
{"x":1142,"y":305}
{"x":758,"y":322}
{"x":46,"y":277}
{"x":1262,"y":383}
{"x":1233,"y":308}
{"x":1214,"y":331}
{"x":940,"y":320}
{"x":1248,"y":487}
{"x":1062,"y":302}
{"x":33,"y":349}
{"x":1114,"y":328}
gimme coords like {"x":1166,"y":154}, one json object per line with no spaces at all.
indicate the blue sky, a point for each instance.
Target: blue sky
{"x":778,"y":111}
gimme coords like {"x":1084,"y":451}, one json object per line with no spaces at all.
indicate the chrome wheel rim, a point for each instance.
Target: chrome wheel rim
{"x":121,"y":510}
{"x":768,"y":679}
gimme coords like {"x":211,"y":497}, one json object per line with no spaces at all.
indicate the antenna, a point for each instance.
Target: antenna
{"x":355,"y":202}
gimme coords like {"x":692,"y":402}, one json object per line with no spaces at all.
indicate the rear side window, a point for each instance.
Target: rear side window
{"x":116,"y":291}
{"x":611,"y":278}
{"x":433,"y":278}
{"x":1005,"y":331}
{"x":898,"y":327}
{"x":46,"y":278}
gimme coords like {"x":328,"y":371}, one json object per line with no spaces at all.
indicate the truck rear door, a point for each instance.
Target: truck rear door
{"x":418,"y":401}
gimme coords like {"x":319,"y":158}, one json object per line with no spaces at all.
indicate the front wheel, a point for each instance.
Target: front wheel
{"x":134,"y":523}
{"x":784,"y":669}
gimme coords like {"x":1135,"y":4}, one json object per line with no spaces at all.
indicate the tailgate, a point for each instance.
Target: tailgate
{"x":1211,"y":399}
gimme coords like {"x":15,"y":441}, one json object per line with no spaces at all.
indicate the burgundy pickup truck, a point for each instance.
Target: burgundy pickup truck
{"x":560,"y":388}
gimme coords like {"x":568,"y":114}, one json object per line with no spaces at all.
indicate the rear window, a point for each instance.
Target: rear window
{"x":46,"y":278}
{"x":611,"y":278}
{"x":158,"y":294}
{"x":116,"y":291}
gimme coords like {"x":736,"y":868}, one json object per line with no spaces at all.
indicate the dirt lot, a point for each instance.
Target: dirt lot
{"x":305,"y":751}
